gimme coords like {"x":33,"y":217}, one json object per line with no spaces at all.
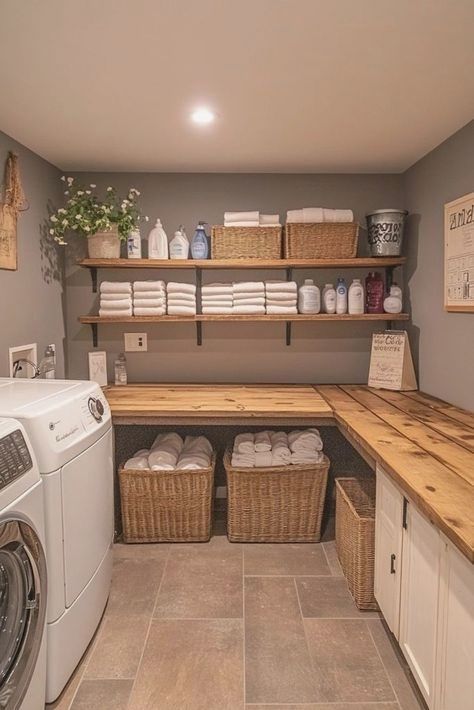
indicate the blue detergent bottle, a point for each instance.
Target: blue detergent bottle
{"x":199,"y":243}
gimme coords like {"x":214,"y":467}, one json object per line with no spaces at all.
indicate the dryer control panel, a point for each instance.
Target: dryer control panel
{"x":15,"y":459}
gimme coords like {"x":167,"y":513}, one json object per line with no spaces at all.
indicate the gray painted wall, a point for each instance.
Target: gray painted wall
{"x":238,"y":351}
{"x":443,"y":342}
{"x":33,"y":307}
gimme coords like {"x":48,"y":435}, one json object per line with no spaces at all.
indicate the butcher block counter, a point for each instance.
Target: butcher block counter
{"x":425,"y":444}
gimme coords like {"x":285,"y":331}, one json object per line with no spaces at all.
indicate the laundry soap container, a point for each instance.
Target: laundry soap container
{"x":158,"y":242}
{"x":309,"y":298}
{"x":199,"y":243}
{"x":179,"y":245}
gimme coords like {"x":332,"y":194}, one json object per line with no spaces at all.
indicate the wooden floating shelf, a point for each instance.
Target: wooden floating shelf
{"x":356,"y":263}
{"x":230,"y":317}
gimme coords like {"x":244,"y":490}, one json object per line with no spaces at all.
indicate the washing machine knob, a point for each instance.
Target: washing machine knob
{"x":96,"y":408}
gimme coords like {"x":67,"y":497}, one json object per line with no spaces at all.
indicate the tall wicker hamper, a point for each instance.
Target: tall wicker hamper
{"x":275,"y":504}
{"x":167,"y":506}
{"x":246,"y":242}
{"x":355,"y":537}
{"x":321,"y":240}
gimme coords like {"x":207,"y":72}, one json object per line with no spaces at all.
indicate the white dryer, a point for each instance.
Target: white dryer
{"x":23,"y":581}
{"x":70,"y":429}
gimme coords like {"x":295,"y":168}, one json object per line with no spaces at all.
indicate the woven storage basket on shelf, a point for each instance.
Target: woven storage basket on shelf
{"x":355,"y":537}
{"x":246,"y":242}
{"x":275,"y":504}
{"x":167,"y":506}
{"x":321,"y":240}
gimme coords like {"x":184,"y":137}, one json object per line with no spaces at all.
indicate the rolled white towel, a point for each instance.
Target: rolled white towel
{"x":181,"y":310}
{"x":294,"y":216}
{"x":193,"y":462}
{"x":149,"y":302}
{"x":217,"y":310}
{"x":116,"y":287}
{"x":313,"y":214}
{"x":147,"y":286}
{"x":262,"y":441}
{"x":279,"y":438}
{"x":168,"y":438}
{"x":305,"y":440}
{"x":244,"y":443}
{"x":270,"y":220}
{"x":282,"y":310}
{"x":298,"y":457}
{"x":242,"y":216}
{"x":148,"y":311}
{"x":243,"y":460}
{"x":197,"y":444}
{"x":248,"y":286}
{"x":160,"y":457}
{"x":163,"y":467}
{"x":116,"y":305}
{"x":137,"y":462}
{"x":281,"y":286}
{"x":176,"y":287}
{"x":142,"y":452}
{"x":253,"y":223}
{"x":263,"y":459}
{"x":281,"y":456}
{"x":108,"y":313}
{"x":249,"y":310}
{"x":149,"y":295}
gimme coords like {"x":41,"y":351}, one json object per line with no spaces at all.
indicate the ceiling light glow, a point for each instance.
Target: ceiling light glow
{"x":202,"y":116}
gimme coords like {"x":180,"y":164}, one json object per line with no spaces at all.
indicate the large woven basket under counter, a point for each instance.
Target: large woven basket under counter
{"x":321,"y":240}
{"x":275,"y":504}
{"x":355,"y":537}
{"x":246,"y":242}
{"x":167,"y":506}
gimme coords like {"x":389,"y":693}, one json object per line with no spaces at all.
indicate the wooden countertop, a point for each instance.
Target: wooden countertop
{"x":425,"y":444}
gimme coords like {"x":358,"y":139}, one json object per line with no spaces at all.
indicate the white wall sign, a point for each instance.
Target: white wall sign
{"x":459,"y":255}
{"x":98,"y":367}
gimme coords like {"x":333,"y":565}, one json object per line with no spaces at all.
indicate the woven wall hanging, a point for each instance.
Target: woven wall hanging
{"x":12,"y":202}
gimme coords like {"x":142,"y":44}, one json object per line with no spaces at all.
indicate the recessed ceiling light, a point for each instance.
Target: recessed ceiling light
{"x":202,"y":116}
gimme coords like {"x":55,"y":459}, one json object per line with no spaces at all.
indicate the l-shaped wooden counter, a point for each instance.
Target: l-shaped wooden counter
{"x":425,"y":444}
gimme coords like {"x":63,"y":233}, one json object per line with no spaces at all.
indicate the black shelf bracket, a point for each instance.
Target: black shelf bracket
{"x":198,"y":332}
{"x":288,"y":332}
{"x":93,"y":270}
{"x":388,"y":278}
{"x":95,"y":334}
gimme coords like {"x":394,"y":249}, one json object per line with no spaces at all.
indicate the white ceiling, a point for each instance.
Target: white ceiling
{"x":298,"y":85}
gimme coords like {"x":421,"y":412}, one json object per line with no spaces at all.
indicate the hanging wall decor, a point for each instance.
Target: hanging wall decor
{"x":459,"y":255}
{"x":11,"y":203}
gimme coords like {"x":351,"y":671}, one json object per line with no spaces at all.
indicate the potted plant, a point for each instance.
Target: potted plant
{"x":105,"y":222}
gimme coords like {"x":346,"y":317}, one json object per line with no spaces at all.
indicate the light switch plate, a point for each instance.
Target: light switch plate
{"x":135,"y":342}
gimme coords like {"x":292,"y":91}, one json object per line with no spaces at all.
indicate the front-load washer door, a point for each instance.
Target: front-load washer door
{"x":22,"y":609}
{"x":88,"y":514}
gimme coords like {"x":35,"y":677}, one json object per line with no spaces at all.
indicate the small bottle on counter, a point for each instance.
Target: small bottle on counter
{"x":341,"y":297}
{"x":134,"y":245}
{"x":309,"y":297}
{"x":356,"y":297}
{"x":120,"y":369}
{"x":374,"y":293}
{"x":329,"y":299}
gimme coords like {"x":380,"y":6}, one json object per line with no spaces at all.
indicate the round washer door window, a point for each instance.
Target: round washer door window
{"x":22,"y":609}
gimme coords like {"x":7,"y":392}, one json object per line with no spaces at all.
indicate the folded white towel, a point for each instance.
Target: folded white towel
{"x":149,"y":285}
{"x":249,"y":310}
{"x":158,"y":311}
{"x":116,"y":287}
{"x":242,"y":216}
{"x":255,"y":301}
{"x":216,"y":310}
{"x":308,"y":457}
{"x":294,"y":216}
{"x":181,"y":299}
{"x":216,"y":288}
{"x":284,"y":302}
{"x":337,"y":215}
{"x":313,"y":214}
{"x":262,"y":441}
{"x":217,"y":301}
{"x":137,"y":462}
{"x":176,"y":287}
{"x":309,"y":215}
{"x":116,"y":305}
{"x":244,"y":443}
{"x":149,"y":302}
{"x":281,"y":286}
{"x":181,"y":310}
{"x":305,"y":440}
{"x":253,"y":223}
{"x":239,"y":297}
{"x":248,"y":286}
{"x":108,"y":313}
{"x":104,"y":297}
{"x":282,"y":310}
{"x":270,"y":220}
{"x":243,"y":460}
{"x":281,"y":296}
{"x":150,"y":295}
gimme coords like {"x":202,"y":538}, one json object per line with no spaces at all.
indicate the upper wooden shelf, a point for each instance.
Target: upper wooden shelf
{"x":266,"y":318}
{"x":359,"y":262}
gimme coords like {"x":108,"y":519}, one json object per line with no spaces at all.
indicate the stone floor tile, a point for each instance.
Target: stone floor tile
{"x":119,"y":647}
{"x":103,"y":694}
{"x":333,"y":560}
{"x":328,"y":597}
{"x":274,"y":559}
{"x":135,"y":583}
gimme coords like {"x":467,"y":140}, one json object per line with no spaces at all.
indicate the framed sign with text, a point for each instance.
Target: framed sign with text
{"x":459,"y":255}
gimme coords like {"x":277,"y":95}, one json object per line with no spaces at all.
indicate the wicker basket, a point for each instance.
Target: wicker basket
{"x":322,"y":240}
{"x":167,"y":506}
{"x":275,"y":504}
{"x":355,"y":537}
{"x":246,"y":242}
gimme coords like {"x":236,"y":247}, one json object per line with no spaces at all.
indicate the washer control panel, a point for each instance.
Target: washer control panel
{"x":15,"y":459}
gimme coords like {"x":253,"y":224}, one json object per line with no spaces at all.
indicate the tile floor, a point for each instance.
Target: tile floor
{"x":220,"y":626}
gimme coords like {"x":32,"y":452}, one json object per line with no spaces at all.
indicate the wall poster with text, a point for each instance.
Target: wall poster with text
{"x":459,"y":255}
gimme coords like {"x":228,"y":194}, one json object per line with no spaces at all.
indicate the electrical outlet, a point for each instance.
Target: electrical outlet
{"x":135,"y":342}
{"x":23,"y":352}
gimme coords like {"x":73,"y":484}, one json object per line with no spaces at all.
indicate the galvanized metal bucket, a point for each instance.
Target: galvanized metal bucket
{"x":385,"y":232}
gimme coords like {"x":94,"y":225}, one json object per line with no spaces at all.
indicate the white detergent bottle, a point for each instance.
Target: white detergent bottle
{"x":309,"y":297}
{"x":393,"y":302}
{"x":179,"y":245}
{"x":329,"y":299}
{"x":158,"y":242}
{"x":341,"y":297}
{"x":356,"y":298}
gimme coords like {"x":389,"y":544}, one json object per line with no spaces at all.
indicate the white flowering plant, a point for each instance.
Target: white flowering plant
{"x":86,"y":214}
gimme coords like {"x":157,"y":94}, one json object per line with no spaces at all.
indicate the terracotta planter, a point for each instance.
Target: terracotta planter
{"x":104,"y":245}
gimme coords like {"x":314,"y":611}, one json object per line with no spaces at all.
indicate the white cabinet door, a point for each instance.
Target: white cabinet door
{"x":388,"y":549}
{"x":455,"y":667}
{"x":419,"y":599}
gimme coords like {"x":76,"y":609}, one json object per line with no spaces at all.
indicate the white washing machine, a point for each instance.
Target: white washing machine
{"x":23,"y":581}
{"x":70,"y":429}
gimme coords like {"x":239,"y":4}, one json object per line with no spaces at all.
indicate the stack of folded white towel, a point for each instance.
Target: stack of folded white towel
{"x":248,"y":297}
{"x":149,"y":298}
{"x":318,"y":214}
{"x":181,"y":299}
{"x":115,"y":299}
{"x":217,"y":298}
{"x":281,"y":297}
{"x":168,"y":453}
{"x":276,"y":448}
{"x":251,"y":219}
